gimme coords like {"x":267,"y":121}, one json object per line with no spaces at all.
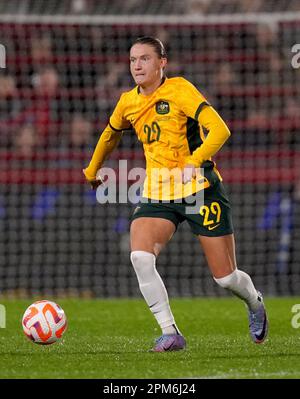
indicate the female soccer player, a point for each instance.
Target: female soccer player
{"x":170,"y":118}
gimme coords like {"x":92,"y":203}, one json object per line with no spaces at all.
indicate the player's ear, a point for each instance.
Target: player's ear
{"x":163,"y":62}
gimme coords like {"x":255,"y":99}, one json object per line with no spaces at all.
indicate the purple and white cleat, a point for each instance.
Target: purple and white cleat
{"x":258,"y":322}
{"x":168,"y":343}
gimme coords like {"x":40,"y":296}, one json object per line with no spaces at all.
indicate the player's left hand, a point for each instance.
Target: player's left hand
{"x":188,"y":173}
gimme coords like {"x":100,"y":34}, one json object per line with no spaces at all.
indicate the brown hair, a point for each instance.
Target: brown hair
{"x":154,"y":42}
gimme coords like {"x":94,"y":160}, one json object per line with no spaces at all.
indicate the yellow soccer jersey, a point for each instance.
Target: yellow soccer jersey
{"x":166,"y":122}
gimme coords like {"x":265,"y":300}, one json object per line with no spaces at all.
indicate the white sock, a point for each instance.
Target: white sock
{"x":240,"y":284}
{"x":153,"y":290}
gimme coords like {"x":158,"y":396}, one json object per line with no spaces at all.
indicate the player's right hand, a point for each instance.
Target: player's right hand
{"x":95,"y":183}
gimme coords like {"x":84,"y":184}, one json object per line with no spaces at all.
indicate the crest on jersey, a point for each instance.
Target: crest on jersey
{"x":162,"y":107}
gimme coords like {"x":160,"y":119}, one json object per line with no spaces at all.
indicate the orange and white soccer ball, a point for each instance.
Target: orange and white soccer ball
{"x":44,"y":322}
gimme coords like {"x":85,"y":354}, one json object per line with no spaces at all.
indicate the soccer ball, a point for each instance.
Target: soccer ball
{"x":44,"y":322}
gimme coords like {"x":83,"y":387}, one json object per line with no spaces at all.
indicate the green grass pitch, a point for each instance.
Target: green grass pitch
{"x":111,"y":338}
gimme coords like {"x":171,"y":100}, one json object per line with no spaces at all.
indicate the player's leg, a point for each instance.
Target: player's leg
{"x":213,"y":226}
{"x":220,"y":255}
{"x":148,"y":237}
{"x":150,"y":234}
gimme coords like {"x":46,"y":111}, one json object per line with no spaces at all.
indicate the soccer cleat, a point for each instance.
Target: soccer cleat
{"x":258,"y":322}
{"x":168,"y":343}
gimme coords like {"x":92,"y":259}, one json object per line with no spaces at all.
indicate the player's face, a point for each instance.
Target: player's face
{"x":145,"y":65}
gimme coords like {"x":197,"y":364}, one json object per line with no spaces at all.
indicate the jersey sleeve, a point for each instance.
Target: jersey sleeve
{"x":191,"y":101}
{"x":107,"y":142}
{"x":117,"y":121}
{"x":218,"y":133}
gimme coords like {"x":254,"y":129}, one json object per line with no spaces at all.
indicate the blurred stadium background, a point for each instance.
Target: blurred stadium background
{"x":67,"y":63}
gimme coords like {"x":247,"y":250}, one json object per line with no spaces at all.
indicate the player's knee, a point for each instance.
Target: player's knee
{"x":228,"y":281}
{"x":143,"y":262}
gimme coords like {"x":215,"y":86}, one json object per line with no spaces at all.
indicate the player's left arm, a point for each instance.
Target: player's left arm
{"x":218,"y":133}
{"x":195,"y":106}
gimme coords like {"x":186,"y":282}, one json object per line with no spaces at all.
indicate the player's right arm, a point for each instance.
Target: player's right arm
{"x":108,"y":141}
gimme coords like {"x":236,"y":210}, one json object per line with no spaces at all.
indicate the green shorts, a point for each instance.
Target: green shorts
{"x":208,"y":215}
